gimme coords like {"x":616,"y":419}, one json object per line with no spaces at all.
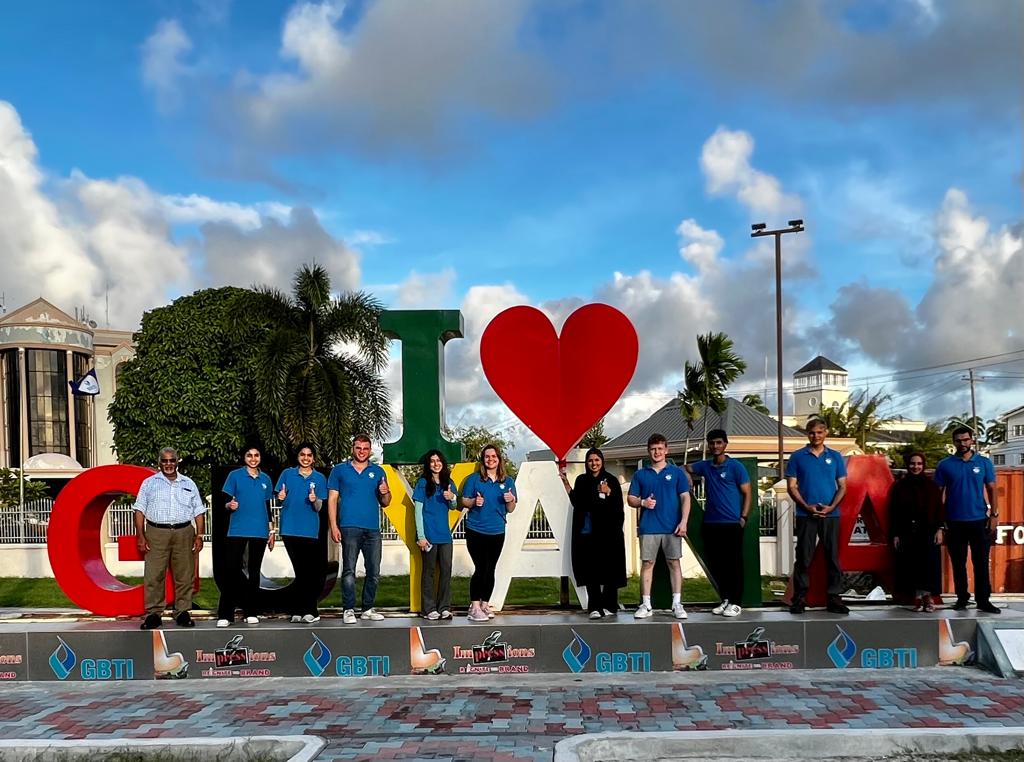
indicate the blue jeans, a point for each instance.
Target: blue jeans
{"x":355,"y":540}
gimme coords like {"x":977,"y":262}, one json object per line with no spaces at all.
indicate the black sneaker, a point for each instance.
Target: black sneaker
{"x":797,"y":607}
{"x":961,"y":604}
{"x":988,"y":608}
{"x":836,"y":605}
{"x":151,"y":622}
{"x":184,"y":619}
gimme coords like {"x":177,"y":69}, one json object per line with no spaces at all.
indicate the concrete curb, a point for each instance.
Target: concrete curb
{"x":793,"y":745}
{"x":299,"y":748}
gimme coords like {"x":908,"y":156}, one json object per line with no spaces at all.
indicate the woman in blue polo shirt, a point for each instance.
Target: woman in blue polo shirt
{"x":250,"y":529}
{"x":301,"y":491}
{"x":489,"y":495}
{"x":434,"y":496}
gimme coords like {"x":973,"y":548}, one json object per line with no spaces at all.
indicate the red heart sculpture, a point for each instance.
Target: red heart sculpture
{"x":559,"y":386}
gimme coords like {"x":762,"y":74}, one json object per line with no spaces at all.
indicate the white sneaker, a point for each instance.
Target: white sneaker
{"x":296,"y":619}
{"x":486,"y":607}
{"x":477,"y":614}
{"x":433,"y":616}
{"x":371,"y":615}
{"x":732,"y":610}
{"x":643,"y":611}
{"x":721,"y":607}
{"x":252,"y":620}
{"x":349,"y":617}
{"x":678,"y":611}
{"x":310,"y":619}
{"x":446,"y":614}
{"x":596,"y":615}
{"x":223,"y":622}
{"x":609,"y":613}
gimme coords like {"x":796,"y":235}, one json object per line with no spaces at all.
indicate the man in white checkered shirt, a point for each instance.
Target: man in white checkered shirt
{"x":167,"y":505}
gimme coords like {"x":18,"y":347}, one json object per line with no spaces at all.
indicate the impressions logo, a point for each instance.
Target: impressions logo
{"x":317,"y":658}
{"x":842,"y":649}
{"x":577,"y":653}
{"x":62,"y":660}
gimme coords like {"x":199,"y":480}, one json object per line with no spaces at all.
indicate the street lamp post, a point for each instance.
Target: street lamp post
{"x":759,"y":231}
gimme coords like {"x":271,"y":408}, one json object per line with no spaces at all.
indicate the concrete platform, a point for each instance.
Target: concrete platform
{"x":876,"y":637}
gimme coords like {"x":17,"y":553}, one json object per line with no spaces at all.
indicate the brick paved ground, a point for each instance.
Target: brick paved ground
{"x":470,"y":719}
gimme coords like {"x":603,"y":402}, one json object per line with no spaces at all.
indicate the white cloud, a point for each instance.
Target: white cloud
{"x":698,"y":246}
{"x":162,"y":63}
{"x":725,"y":161}
{"x":398,"y":79}
{"x":369,"y":238}
{"x":79,"y":240}
{"x":426,"y":289}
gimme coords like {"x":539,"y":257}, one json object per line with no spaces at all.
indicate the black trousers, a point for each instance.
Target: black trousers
{"x":808,"y":532}
{"x":601,"y":597}
{"x":974,"y":535}
{"x":309,"y":564}
{"x":485,"y":550}
{"x":436,"y":585}
{"x":242,"y":585}
{"x":723,"y":553}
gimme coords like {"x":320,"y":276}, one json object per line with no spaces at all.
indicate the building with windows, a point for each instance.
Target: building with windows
{"x":1010,"y":452}
{"x":819,"y":382}
{"x":44,"y":428}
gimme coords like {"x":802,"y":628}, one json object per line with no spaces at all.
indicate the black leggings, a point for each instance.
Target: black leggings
{"x":484,"y":549}
{"x":242,"y":586}
{"x":308,"y":562}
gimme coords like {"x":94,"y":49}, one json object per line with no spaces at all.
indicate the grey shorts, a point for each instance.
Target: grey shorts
{"x":670,"y":545}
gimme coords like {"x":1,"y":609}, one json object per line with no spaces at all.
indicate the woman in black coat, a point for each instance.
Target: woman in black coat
{"x":598,"y":545}
{"x":916,"y":521}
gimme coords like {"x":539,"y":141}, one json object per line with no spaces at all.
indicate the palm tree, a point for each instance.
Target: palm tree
{"x":595,"y":436}
{"x":317,"y":374}
{"x":755,"y":402}
{"x":975,"y":423}
{"x":689,"y":406}
{"x":718,"y":366}
{"x":858,"y":417}
{"x":995,"y":432}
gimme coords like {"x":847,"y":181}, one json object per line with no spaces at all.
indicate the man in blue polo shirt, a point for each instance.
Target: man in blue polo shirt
{"x":816,"y":481}
{"x":726,"y":507}
{"x":966,"y":480}
{"x":662,"y":493}
{"x":360,"y":488}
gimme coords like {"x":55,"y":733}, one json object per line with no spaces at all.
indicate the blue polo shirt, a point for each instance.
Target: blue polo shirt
{"x":666,"y":485}
{"x":299,"y":517}
{"x":489,"y":518}
{"x":435,"y":512}
{"x":816,"y":476}
{"x":964,"y":482}
{"x":358,"y":505}
{"x":723,"y":502}
{"x":253,"y":493}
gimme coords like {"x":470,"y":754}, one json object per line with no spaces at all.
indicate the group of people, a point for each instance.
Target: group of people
{"x":956,"y":508}
{"x":170,"y":520}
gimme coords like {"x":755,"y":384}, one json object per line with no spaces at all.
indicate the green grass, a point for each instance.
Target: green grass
{"x":393,"y":592}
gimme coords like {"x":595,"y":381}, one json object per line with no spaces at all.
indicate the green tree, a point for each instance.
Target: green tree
{"x":995,"y":432}
{"x":975,"y":424}
{"x":933,"y":442}
{"x":189,"y":385}
{"x":595,"y":436}
{"x":474,"y":438}
{"x":690,"y":407}
{"x":10,"y":489}
{"x":858,"y":417}
{"x":317,"y":370}
{"x":755,"y":402}
{"x":717,"y":367}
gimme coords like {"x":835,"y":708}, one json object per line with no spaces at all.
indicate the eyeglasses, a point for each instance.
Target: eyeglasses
{"x":963,"y":440}
{"x":168,"y":460}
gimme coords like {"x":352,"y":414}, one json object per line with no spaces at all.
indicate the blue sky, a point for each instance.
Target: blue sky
{"x":480,"y":155}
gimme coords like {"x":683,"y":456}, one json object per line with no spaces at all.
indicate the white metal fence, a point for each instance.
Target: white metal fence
{"x":25,"y":524}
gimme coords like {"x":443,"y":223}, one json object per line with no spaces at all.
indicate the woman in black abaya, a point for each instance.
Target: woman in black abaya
{"x":598,"y":545}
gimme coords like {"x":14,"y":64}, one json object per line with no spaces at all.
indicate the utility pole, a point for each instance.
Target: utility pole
{"x":970,"y":377}
{"x":757,"y":231}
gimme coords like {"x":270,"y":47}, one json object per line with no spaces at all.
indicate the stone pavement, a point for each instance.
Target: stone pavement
{"x":521,"y":718}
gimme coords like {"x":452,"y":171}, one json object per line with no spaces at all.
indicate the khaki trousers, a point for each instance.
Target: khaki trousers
{"x":169,"y":547}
